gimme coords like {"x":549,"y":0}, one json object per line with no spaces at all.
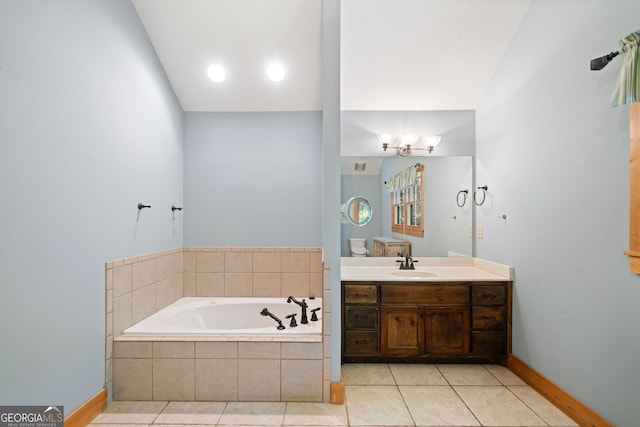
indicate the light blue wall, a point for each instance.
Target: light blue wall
{"x":253,"y":179}
{"x":89,"y":127}
{"x":556,"y":160}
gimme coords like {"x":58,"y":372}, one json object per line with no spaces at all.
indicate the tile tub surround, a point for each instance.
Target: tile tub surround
{"x":218,"y":371}
{"x":138,"y":286}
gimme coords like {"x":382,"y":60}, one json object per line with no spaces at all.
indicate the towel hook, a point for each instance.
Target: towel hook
{"x":175,"y":208}
{"x":142,"y":206}
{"x":484,"y":189}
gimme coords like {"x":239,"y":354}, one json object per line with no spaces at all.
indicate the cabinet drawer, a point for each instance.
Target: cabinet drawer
{"x":491,"y":318}
{"x":362,"y":317}
{"x":360,"y":342}
{"x":488,"y":342}
{"x":360,"y":294}
{"x":431,"y":295}
{"x":488,"y":295}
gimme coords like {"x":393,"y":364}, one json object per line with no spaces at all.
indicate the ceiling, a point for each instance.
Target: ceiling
{"x":395,"y":54}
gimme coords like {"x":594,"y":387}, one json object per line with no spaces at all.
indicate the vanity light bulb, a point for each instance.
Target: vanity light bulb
{"x":409,"y":139}
{"x":385,"y":138}
{"x":432,"y":141}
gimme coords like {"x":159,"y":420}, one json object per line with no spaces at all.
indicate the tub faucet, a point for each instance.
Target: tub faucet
{"x":304,"y":305}
{"x":266,"y":312}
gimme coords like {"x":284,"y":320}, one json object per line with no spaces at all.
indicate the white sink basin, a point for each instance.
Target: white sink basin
{"x":413,"y":273}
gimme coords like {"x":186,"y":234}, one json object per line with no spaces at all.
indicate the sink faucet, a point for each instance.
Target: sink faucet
{"x":304,"y":305}
{"x":407,"y":264}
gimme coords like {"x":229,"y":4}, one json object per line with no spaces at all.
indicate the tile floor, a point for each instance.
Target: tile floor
{"x":375,"y":395}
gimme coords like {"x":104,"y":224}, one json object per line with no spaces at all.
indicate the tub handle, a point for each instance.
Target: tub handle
{"x":293,"y":323}
{"x":314,"y":316}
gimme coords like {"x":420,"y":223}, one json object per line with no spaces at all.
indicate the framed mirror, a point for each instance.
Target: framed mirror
{"x":356,"y":211}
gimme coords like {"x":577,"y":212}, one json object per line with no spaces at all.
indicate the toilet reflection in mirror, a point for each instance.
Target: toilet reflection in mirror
{"x":356,"y":211}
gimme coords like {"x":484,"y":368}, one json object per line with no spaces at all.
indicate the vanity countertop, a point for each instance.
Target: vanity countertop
{"x":427,"y":269}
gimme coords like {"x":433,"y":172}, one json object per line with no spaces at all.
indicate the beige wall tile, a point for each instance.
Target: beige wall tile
{"x":258,"y":380}
{"x":143,"y":303}
{"x":259,"y":350}
{"x":238,"y":284}
{"x":315,"y":262}
{"x":305,"y":350}
{"x":210,"y":262}
{"x":167,"y":291}
{"x":301,"y":380}
{"x":132,"y":379}
{"x":216,"y":350}
{"x":121,"y":280}
{"x":173,"y":379}
{"x":210,"y":284}
{"x":165,"y":267}
{"x":173,"y":349}
{"x":109,"y":324}
{"x":189,"y":261}
{"x":238,"y":262}
{"x":295,"y":262}
{"x":217,"y":379}
{"x":267,"y":262}
{"x":295,"y":284}
{"x":315,"y":284}
{"x":121,"y":314}
{"x":189,"y":284}
{"x":144,"y":273}
{"x":132,"y":350}
{"x":109,"y":301}
{"x":108,"y":278}
{"x":267,"y":284}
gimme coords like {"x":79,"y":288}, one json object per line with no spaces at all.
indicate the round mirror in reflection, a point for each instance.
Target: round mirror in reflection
{"x":356,"y":211}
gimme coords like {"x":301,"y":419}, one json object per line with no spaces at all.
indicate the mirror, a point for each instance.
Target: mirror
{"x":356,"y":211}
{"x":446,"y":223}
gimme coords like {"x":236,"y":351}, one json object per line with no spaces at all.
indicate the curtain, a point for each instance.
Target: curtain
{"x":402,"y":179}
{"x":627,"y":90}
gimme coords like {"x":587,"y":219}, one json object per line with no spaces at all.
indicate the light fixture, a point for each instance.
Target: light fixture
{"x":216,"y":73}
{"x":407,"y":143}
{"x":275,"y":72}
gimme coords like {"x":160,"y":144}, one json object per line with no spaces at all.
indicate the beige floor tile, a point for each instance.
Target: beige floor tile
{"x":93,"y":424}
{"x":129,"y":412}
{"x":504,"y":375}
{"x":437,"y":406}
{"x":541,"y":406}
{"x":497,"y":406}
{"x":315,"y":414}
{"x":467,"y":375}
{"x":191,"y":413}
{"x":253,"y":413}
{"x":417,"y":374}
{"x":367,"y":373}
{"x":376,"y":406}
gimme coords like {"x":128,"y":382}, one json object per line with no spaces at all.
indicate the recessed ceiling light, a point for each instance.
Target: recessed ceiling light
{"x":216,"y":73}
{"x":275,"y":72}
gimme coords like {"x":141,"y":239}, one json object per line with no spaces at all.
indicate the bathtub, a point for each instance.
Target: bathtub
{"x":204,"y":316}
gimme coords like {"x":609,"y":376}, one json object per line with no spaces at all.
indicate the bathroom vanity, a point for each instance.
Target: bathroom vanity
{"x":448,"y":310}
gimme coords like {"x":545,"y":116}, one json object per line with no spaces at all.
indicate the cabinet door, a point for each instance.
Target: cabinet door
{"x":402,"y":330}
{"x":447,"y":330}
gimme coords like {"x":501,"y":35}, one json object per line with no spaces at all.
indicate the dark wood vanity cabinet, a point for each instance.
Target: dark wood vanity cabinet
{"x":426,"y":321}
